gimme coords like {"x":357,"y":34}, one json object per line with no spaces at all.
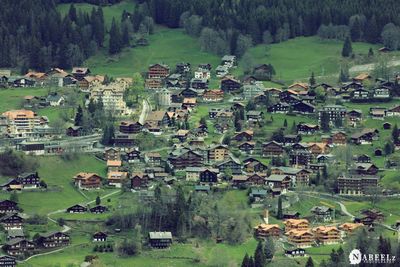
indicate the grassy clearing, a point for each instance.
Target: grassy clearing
{"x":295,"y":59}
{"x":110,"y":12}
{"x":58,"y":174}
{"x":166,"y":46}
{"x":12,"y":98}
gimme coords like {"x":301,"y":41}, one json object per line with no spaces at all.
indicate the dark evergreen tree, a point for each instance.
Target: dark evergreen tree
{"x":279,"y":213}
{"x":259,"y":256}
{"x":312,"y":81}
{"x":285,"y":123}
{"x":245,"y":262}
{"x":79,"y":117}
{"x":325,"y":121}
{"x":310,"y":262}
{"x":115,"y":44}
{"x":98,"y":200}
{"x":347,"y":48}
{"x":269,"y":248}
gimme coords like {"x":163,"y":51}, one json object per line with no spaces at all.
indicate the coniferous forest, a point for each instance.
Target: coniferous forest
{"x":38,"y":37}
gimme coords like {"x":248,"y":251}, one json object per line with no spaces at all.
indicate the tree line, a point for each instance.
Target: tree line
{"x":234,"y":24}
{"x":39,"y":37}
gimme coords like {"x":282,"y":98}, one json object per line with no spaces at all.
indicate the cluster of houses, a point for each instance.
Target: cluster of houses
{"x":17,"y":243}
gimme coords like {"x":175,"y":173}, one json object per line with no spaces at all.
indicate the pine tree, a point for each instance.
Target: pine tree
{"x":72,"y":13}
{"x":259,"y":256}
{"x":370,"y":52}
{"x":91,"y":107}
{"x":334,"y":257}
{"x":79,"y":116}
{"x":325,"y":121}
{"x":269,"y":248}
{"x":279,"y":213}
{"x":251,"y":262}
{"x":180,"y":212}
{"x":347,"y":49}
{"x":14,"y":197}
{"x":293,"y":130}
{"x":371,"y":31}
{"x":285,"y":123}
{"x":312,"y":81}
{"x":395,"y":134}
{"x":125,"y":35}
{"x":115,"y":43}
{"x":245,"y":262}
{"x":98,"y":200}
{"x":310,"y":262}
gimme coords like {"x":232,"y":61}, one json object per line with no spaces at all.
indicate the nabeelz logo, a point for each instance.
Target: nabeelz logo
{"x":356,"y":257}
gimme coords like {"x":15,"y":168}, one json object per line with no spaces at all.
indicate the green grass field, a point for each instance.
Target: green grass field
{"x":295,"y":59}
{"x":109,"y":12}
{"x":58,"y":174}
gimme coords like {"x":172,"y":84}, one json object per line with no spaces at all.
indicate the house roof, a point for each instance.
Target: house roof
{"x":85,"y":175}
{"x":266,"y":227}
{"x":114,"y":163}
{"x":48,"y":234}
{"x":160,"y":235}
{"x":298,"y":233}
{"x":295,"y":221}
{"x":276,"y":178}
{"x":325,"y":229}
{"x":16,"y":241}
{"x":156,"y":115}
{"x":362,"y":76}
{"x":21,"y":113}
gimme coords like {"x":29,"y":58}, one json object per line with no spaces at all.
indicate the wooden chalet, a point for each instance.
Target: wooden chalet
{"x":84,"y":180}
{"x":308,"y":129}
{"x":139,"y":180}
{"x":76,"y":209}
{"x":366,"y":136}
{"x":80,"y":72}
{"x":218,"y":153}
{"x":297,"y":224}
{"x":356,"y":185}
{"x":8,"y":261}
{"x":339,"y":138}
{"x":271,"y":149}
{"x":348,"y":228}
{"x":255,"y":166}
{"x":53,"y":239}
{"x":327,"y":234}
{"x":153,"y":158}
{"x":116,"y":178}
{"x":74,"y":131}
{"x":186,"y":158}
{"x":230,"y":164}
{"x":130,"y":127}
{"x":112,"y":154}
{"x":247,"y":147}
{"x":300,"y":238}
{"x":160,"y":239}
{"x":275,"y":181}
{"x":322,"y":213}
{"x":295,"y":252}
{"x":8,"y":206}
{"x":98,"y":209}
{"x":19,"y":246}
{"x":133,"y":155}
{"x":230,"y":84}
{"x":158,"y":71}
{"x":99,"y":237}
{"x":264,"y":230}
{"x":11,"y":221}
{"x":29,"y":180}
{"x":208,"y":176}
{"x":246,"y":135}
{"x":213,"y":95}
{"x":281,"y":107}
{"x":366,"y":169}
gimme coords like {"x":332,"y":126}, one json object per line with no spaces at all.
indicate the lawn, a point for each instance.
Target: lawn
{"x":110,"y":12}
{"x":58,"y":174}
{"x":295,"y":59}
{"x":166,"y":46}
{"x":12,"y":98}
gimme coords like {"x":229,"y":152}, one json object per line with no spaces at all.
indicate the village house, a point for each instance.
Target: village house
{"x":296,"y":224}
{"x":232,"y":164}
{"x":160,"y":239}
{"x":322,"y":213}
{"x":366,"y":136}
{"x":290,"y":139}
{"x":113,"y":165}
{"x":306,"y":128}
{"x":90,"y":82}
{"x":199,"y":84}
{"x":339,"y":138}
{"x":158,"y":71}
{"x":264,"y":230}
{"x":7,"y":261}
{"x":153,"y":84}
{"x":139,"y":180}
{"x":326,"y":234}
{"x":99,"y":237}
{"x":12,"y":221}
{"x":19,"y":246}
{"x":53,"y":239}
{"x":300,"y":158}
{"x":228,"y":60}
{"x":246,"y":135}
{"x":182,"y":68}
{"x":289,"y":96}
{"x":185,"y":158}
{"x":382,"y":93}
{"x":116,"y":178}
{"x":74,"y":131}
{"x":298,"y":176}
{"x":153,"y":158}
{"x":80,"y":72}
{"x":356,"y":185}
{"x":377,"y":112}
{"x":29,"y":180}
{"x":303,"y":108}
{"x":335,"y":113}
{"x":349,"y":228}
{"x":130,"y":127}
{"x":395,"y":111}
{"x":230,"y":84}
{"x":279,"y":182}
{"x":55,"y":100}
{"x":99,"y":209}
{"x":247,"y":147}
{"x":76,"y":209}
{"x":213,"y":95}
{"x":253,"y":89}
{"x":8,"y":206}
{"x":295,"y":252}
{"x":208,"y":176}
{"x":271,"y":149}
{"x":201,"y":73}
{"x":300,"y":238}
{"x":112,"y":97}
{"x":299,"y":87}
{"x":254,"y":166}
{"x":218,"y":153}
{"x":221,"y":71}
{"x":84,"y":180}
{"x":189,"y":103}
{"x":366,"y":169}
